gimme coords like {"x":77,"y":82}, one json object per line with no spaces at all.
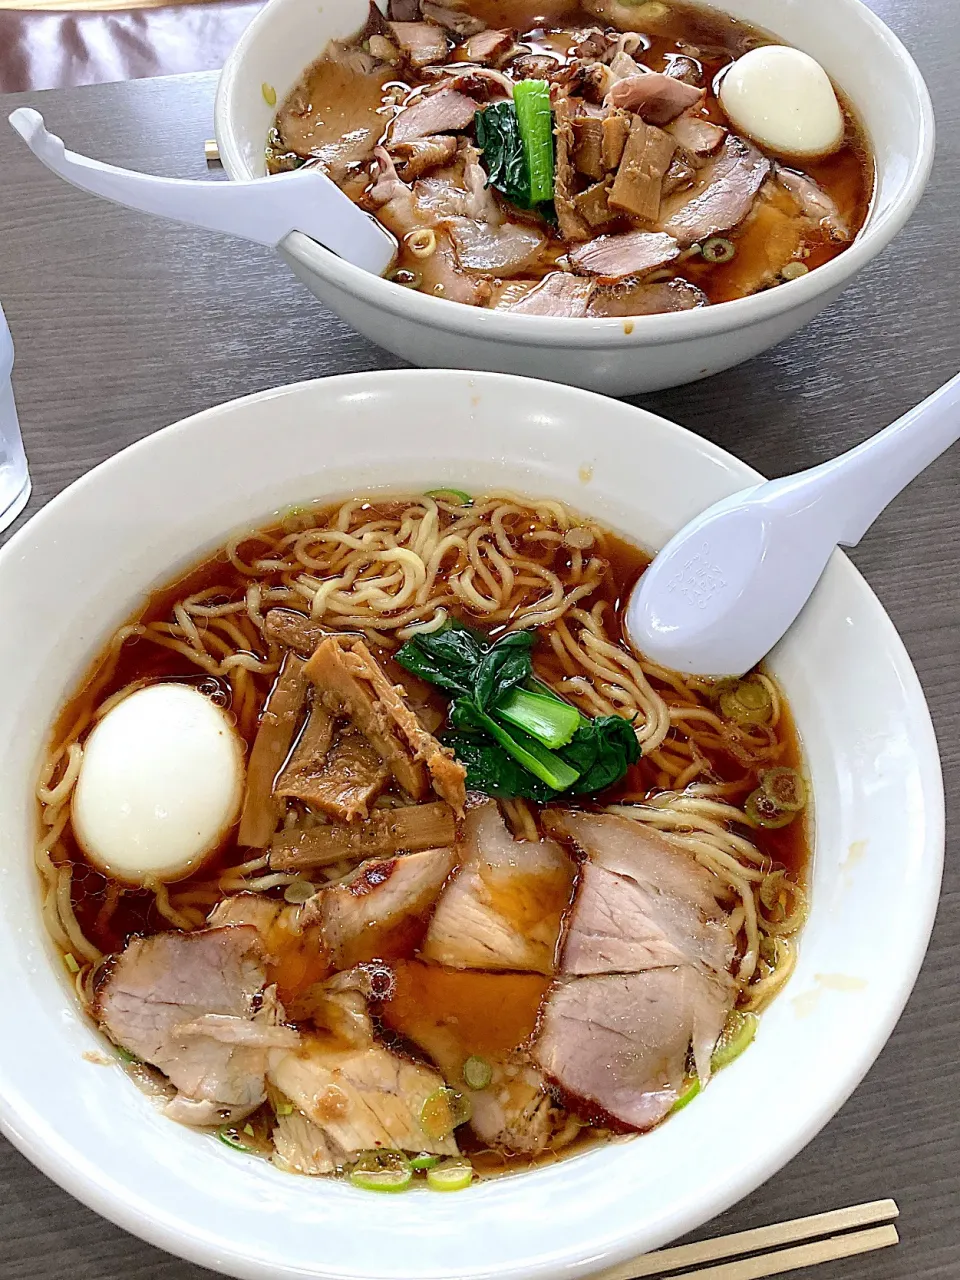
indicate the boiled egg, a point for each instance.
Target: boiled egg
{"x":783,"y":99}
{"x":160,"y":784}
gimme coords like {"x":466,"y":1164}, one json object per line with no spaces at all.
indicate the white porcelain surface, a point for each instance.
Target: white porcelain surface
{"x":156,"y":507}
{"x":859,"y":52}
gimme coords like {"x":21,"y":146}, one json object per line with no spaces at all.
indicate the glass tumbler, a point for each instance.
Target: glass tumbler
{"x":14,"y":478}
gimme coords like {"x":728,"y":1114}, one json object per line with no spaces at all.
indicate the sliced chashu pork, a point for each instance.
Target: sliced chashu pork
{"x":558,"y":294}
{"x":294,"y":951}
{"x":645,"y":964}
{"x":618,"y":1042}
{"x":421,"y":42}
{"x":722,"y":197}
{"x":420,"y":155}
{"x":641,"y":903}
{"x":398,"y":209}
{"x":656,"y":98}
{"x":815,"y":205}
{"x":503,"y":908}
{"x":196,"y":1007}
{"x":360,"y":1097}
{"x":631,"y":253}
{"x":452,"y":1016}
{"x":635,"y":298}
{"x":380,"y":911}
{"x":444,"y":111}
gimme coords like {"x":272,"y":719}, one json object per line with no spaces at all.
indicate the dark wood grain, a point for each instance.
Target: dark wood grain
{"x":124,"y":324}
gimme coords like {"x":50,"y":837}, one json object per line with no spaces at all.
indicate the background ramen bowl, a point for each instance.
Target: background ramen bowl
{"x":859,"y":52}
{"x":135,"y":522}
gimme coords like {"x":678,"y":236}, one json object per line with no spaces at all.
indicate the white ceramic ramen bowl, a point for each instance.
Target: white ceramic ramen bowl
{"x":605,"y":354}
{"x":136,"y":521}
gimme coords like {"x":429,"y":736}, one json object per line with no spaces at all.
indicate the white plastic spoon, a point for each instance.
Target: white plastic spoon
{"x":726,"y":588}
{"x":264,"y":210}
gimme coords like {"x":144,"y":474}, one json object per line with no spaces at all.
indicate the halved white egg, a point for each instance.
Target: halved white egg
{"x":160,"y":785}
{"x":783,"y":99}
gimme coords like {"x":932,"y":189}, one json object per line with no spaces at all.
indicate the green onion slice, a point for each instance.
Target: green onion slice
{"x":786,"y":789}
{"x":737,"y":1035}
{"x":477,"y":1072}
{"x":424,"y":1161}
{"x":382,"y":1171}
{"x":457,"y":496}
{"x":687,"y":1094}
{"x":452,"y":1175}
{"x":443,"y":1111}
{"x":763,"y":812}
{"x":230,"y":1138}
{"x":748,"y":702}
{"x":719,"y":250}
{"x":70,"y":960}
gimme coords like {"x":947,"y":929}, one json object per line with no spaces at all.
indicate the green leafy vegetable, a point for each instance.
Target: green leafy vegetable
{"x":601,"y":751}
{"x":498,"y":137}
{"x":531,"y":98}
{"x":447,"y":658}
{"x":506,"y":664}
{"x":515,"y":736}
{"x":542,"y":763}
{"x":493,"y":771}
{"x":545,"y":716}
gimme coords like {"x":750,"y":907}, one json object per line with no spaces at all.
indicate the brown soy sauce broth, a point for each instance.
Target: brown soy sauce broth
{"x":135,"y":912}
{"x":340,"y":102}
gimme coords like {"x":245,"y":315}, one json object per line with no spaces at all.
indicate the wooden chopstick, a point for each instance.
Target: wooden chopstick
{"x":772,"y":1237}
{"x":780,"y":1261}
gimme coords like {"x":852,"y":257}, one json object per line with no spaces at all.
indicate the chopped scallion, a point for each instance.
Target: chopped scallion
{"x":764,"y":812}
{"x":70,"y":961}
{"x":719,"y":250}
{"x":423,"y":1161}
{"x":443,"y":1111}
{"x":477,"y":1072}
{"x":737,"y":1035}
{"x":687,"y":1094}
{"x":785,"y":788}
{"x":230,"y":1138}
{"x":457,"y":496}
{"x":382,"y":1171}
{"x":748,"y":702}
{"x":452,"y":1175}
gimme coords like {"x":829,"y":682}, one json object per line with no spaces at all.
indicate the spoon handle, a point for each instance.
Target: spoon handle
{"x":264,"y":210}
{"x":861,"y":483}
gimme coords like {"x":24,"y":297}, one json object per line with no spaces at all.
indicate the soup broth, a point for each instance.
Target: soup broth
{"x":430,"y":967}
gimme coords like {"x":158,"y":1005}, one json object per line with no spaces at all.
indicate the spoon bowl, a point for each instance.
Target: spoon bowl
{"x":727,"y":587}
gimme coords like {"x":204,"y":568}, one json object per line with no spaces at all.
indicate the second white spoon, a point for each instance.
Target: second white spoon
{"x":264,"y":210}
{"x":726,"y":588}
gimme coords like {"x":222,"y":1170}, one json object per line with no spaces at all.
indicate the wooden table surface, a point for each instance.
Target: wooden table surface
{"x":123,"y":324}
